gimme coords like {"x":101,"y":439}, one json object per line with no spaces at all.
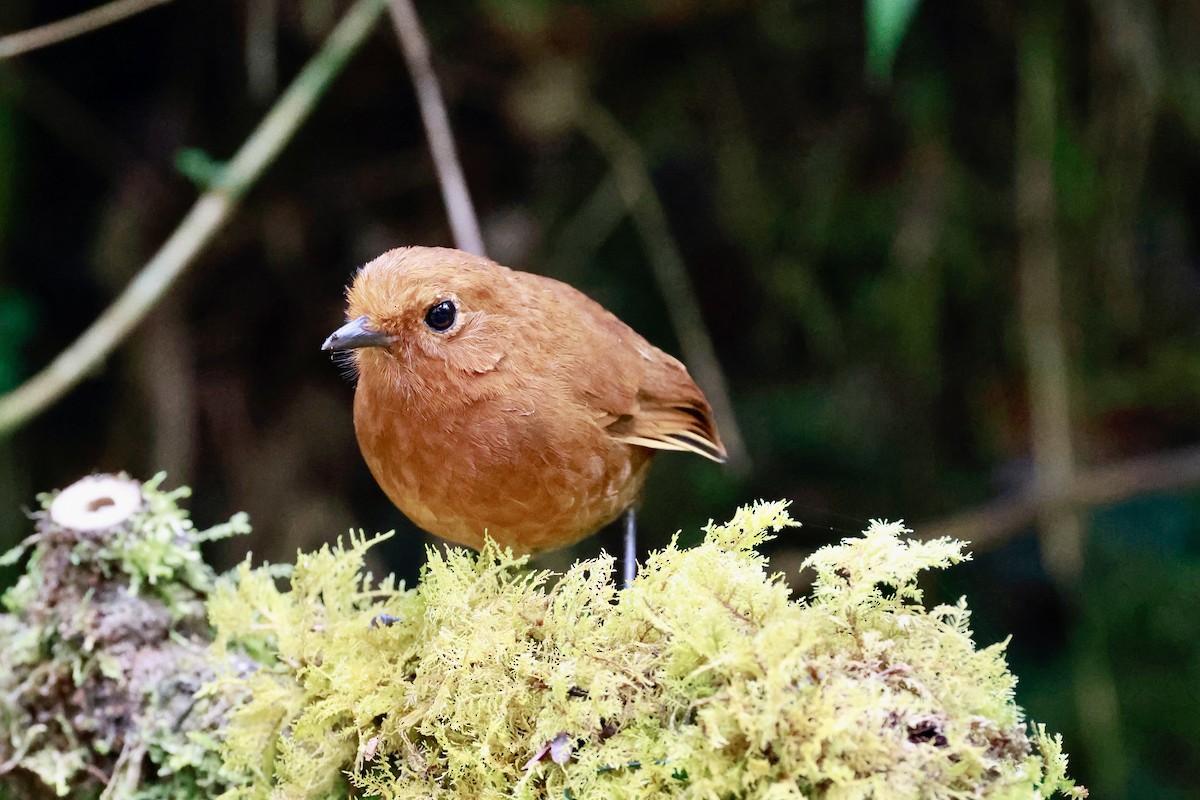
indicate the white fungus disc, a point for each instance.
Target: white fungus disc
{"x":96,"y":502}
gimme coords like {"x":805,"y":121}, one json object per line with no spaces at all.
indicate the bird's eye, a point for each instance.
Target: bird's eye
{"x":440,"y":316}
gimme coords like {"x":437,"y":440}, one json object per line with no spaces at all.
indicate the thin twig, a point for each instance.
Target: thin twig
{"x":35,"y":38}
{"x":198,"y":228}
{"x":463,"y":222}
{"x":666,"y":262}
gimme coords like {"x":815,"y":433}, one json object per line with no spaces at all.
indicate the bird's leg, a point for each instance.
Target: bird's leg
{"x":629,"y":566}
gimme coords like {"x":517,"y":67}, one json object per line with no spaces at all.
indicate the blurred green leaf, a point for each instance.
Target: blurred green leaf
{"x":887,"y":21}
{"x":199,"y":167}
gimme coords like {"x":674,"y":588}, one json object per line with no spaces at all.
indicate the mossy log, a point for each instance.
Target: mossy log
{"x":130,"y":670}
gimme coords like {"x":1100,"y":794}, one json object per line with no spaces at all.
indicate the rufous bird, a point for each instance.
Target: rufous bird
{"x":498,"y":402}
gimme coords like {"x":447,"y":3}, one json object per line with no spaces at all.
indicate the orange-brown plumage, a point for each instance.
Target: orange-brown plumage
{"x":532,"y":416}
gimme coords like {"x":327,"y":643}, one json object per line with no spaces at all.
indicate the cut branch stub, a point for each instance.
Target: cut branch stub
{"x":97,"y":502}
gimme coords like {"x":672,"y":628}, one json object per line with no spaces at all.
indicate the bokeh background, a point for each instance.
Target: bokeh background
{"x":946,"y":254}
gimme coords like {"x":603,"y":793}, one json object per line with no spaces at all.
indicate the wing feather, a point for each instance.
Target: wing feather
{"x":682,"y":421}
{"x":638,"y":393}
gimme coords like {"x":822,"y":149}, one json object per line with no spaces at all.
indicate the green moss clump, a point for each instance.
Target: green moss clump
{"x":703,"y":679}
{"x":105,"y":648}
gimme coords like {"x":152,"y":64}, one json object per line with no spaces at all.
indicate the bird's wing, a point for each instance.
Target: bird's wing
{"x":635,"y":391}
{"x":670,"y":412}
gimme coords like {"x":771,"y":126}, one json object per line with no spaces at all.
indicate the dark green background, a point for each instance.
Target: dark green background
{"x":852,"y":239}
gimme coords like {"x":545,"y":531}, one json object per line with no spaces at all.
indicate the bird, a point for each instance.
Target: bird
{"x":497,"y":403}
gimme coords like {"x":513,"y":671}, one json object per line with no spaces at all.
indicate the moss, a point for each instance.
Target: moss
{"x":703,"y":679}
{"x":106,"y":647}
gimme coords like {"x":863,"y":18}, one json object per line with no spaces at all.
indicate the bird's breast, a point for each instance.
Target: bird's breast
{"x":534,"y":472}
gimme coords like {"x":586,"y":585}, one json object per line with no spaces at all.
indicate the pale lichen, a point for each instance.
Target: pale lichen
{"x":703,"y":679}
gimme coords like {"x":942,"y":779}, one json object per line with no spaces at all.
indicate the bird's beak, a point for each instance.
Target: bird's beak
{"x":354,"y":334}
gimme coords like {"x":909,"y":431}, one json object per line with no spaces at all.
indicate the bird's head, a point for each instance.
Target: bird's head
{"x":423,"y":313}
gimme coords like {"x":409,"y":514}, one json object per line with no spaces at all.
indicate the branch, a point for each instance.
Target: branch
{"x":1039,"y":289}
{"x":993,"y":524}
{"x":463,"y":222}
{"x":35,"y":38}
{"x":197,"y":229}
{"x":666,"y":262}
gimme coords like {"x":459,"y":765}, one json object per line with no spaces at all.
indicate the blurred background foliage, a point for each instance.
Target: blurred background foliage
{"x":865,"y":197}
